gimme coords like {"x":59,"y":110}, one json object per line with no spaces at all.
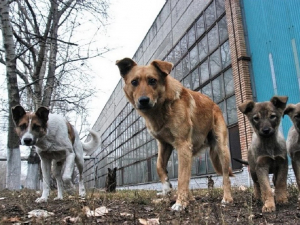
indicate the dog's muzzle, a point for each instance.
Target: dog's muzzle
{"x":267,"y":131}
{"x":144,"y":103}
{"x":28,"y":139}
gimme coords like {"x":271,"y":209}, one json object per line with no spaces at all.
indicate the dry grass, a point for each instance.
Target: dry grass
{"x":128,"y":206}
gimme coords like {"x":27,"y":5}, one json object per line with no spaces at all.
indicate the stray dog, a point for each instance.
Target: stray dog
{"x":293,"y":140}
{"x":267,"y":152}
{"x":177,"y":118}
{"x":111,"y":182}
{"x":56,"y":141}
{"x":210,"y":182}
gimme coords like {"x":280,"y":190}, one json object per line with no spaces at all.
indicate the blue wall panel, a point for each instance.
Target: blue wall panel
{"x":273,"y":31}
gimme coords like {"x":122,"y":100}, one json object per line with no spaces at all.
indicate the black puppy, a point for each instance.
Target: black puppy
{"x":111,"y":182}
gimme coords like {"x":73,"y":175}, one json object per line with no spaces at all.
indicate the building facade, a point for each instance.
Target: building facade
{"x":216,"y":48}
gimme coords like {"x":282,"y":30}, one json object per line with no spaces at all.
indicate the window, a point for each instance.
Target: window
{"x":194,"y":57}
{"x":210,"y":15}
{"x":203,"y":48}
{"x":200,"y":28}
{"x":218,"y":89}
{"x":225,"y":53}
{"x":223,"y":32}
{"x":213,"y":38}
{"x":191,"y":36}
{"x":204,"y":72}
{"x":215,"y":63}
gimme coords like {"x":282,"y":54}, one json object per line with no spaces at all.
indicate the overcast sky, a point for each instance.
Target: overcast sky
{"x":130,"y":20}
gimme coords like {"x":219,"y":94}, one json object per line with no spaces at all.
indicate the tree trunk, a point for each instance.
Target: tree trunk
{"x":13,"y":175}
{"x":33,"y":169}
{"x":48,"y":90}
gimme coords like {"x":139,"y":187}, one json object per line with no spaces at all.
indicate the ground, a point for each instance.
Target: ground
{"x":143,"y":207}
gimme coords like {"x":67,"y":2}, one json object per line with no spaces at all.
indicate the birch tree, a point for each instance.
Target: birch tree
{"x":52,"y":52}
{"x":13,"y":151}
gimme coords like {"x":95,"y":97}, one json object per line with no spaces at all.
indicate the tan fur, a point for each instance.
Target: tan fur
{"x":178,"y":118}
{"x":71,"y":133}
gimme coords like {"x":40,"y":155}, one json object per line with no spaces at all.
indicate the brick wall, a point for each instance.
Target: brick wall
{"x":240,"y":68}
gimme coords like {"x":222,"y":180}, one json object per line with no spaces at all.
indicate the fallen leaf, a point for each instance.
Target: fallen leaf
{"x":10,"y":220}
{"x":242,"y":188}
{"x":70,"y":219}
{"x":98,"y":211}
{"x":39,"y":213}
{"x":156,"y":201}
{"x":101,"y":211}
{"x":154,"y":221}
{"x":1,"y":198}
{"x":126,"y":214}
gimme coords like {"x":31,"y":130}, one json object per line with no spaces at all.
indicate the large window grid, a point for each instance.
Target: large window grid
{"x":202,"y":63}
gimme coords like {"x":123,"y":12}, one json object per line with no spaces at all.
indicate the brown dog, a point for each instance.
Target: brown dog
{"x":293,"y":139}
{"x":178,"y":118}
{"x":267,"y":153}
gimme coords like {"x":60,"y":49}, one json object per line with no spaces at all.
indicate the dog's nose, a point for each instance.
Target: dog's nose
{"x":27,"y":141}
{"x":266,"y":130}
{"x":144,"y":100}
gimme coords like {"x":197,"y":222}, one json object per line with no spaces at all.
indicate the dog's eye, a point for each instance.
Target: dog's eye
{"x":255,"y":118}
{"x":23,"y":126}
{"x":273,"y":117}
{"x":152,"y":81}
{"x":36,"y":127}
{"x":297,"y":117}
{"x":134,"y":83}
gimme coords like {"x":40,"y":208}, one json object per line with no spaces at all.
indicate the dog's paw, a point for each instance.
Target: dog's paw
{"x":166,"y":189}
{"x":177,"y":207}
{"x":268,"y":208}
{"x":40,"y":200}
{"x":282,"y":200}
{"x":58,"y":198}
{"x":226,"y":201}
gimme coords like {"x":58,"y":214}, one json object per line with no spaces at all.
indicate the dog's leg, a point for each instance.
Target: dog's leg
{"x":257,"y":193}
{"x":79,"y":162}
{"x":57,"y":168}
{"x":46,"y":170}
{"x":185,"y":155}
{"x":220,"y":158}
{"x":262,"y":171}
{"x":280,"y":181}
{"x":296,"y":168}
{"x":164,"y":153}
{"x":68,"y":170}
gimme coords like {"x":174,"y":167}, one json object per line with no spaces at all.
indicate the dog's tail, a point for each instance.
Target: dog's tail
{"x":215,"y":159}
{"x":241,"y":161}
{"x":93,"y":143}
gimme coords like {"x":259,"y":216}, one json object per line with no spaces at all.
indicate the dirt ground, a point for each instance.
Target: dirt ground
{"x":143,"y":207}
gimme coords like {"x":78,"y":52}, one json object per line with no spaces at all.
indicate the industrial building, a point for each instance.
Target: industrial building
{"x":230,"y":50}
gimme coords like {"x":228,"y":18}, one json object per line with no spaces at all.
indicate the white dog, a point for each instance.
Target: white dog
{"x":56,"y":141}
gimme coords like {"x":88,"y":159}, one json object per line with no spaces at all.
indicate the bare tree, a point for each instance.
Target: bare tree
{"x":52,"y":52}
{"x":13,"y":151}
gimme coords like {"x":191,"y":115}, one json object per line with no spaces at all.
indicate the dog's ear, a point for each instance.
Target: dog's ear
{"x":247,"y":106}
{"x":109,"y":170}
{"x":42,"y":113}
{"x":115,"y":169}
{"x":125,"y":65}
{"x":279,"y":101}
{"x":17,"y":113}
{"x":164,"y":67}
{"x":289,"y":109}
